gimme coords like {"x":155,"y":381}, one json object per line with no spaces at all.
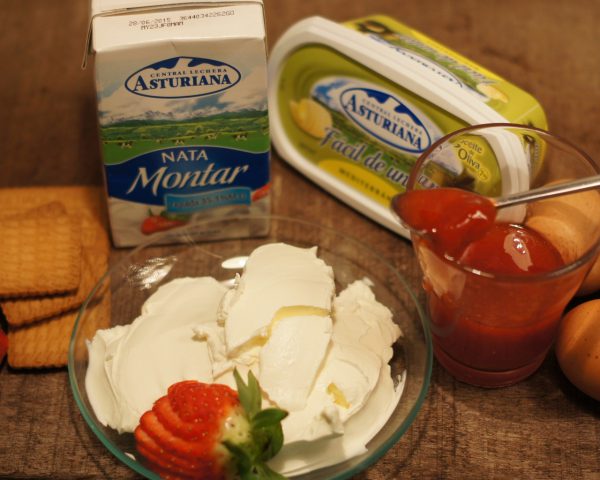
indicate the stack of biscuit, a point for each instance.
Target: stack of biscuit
{"x":55,"y":248}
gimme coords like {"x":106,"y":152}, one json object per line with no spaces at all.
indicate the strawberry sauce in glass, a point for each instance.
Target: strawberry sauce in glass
{"x":495,"y":288}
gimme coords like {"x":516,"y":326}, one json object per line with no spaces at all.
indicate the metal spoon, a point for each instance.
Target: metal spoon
{"x":586,"y":183}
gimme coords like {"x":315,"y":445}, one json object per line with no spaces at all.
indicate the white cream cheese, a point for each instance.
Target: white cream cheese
{"x":132,"y":365}
{"x":291,"y":358}
{"x":275,"y":276}
{"x":360,"y":317}
{"x":323,"y":360}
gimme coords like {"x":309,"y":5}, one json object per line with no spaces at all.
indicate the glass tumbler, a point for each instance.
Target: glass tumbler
{"x":492,"y":329}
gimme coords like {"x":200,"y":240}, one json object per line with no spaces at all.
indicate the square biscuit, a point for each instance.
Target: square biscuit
{"x":40,"y":327}
{"x":86,"y":203}
{"x":40,"y":255}
{"x":24,"y":311}
{"x":76,"y":199}
{"x":50,"y":209}
{"x":45,"y":344}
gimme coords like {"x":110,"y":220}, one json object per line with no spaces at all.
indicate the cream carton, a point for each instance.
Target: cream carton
{"x":182,"y":109}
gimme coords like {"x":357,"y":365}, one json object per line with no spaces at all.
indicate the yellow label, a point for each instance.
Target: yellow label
{"x":361,"y":179}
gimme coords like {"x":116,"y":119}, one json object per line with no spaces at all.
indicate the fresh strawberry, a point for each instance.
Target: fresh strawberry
{"x":209,"y":431}
{"x":3,"y":344}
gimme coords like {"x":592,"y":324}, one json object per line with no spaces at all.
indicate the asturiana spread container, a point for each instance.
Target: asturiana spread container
{"x":182,"y":108}
{"x":353,"y":105}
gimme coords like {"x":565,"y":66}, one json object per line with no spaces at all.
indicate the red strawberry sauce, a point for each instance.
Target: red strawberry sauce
{"x":483,"y":322}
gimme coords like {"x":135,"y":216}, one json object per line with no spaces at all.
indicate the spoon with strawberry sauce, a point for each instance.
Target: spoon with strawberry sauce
{"x":462,"y":225}
{"x":450,"y":218}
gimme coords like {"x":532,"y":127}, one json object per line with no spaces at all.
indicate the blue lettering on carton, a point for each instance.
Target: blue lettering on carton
{"x":149,"y":178}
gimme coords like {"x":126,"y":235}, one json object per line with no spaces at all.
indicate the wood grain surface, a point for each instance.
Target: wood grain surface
{"x":541,"y":428}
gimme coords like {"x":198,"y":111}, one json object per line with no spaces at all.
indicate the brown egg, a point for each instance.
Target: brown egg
{"x":563,"y":234}
{"x":586,"y":202}
{"x":572,"y":224}
{"x":591,"y":283}
{"x":578,"y":347}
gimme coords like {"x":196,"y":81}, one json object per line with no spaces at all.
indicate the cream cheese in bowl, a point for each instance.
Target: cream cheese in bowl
{"x":344,"y":350}
{"x":321,"y":357}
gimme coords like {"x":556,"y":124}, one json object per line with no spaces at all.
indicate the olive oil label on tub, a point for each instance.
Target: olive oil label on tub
{"x":183,"y":116}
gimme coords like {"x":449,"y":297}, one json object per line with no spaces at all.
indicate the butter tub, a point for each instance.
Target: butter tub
{"x":353,"y":105}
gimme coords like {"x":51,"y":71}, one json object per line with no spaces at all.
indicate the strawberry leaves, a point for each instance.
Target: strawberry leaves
{"x":249,"y":395}
{"x":265,"y":431}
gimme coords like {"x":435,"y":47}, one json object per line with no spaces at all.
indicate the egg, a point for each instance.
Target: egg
{"x":591,"y":283}
{"x":562,"y":234}
{"x":578,"y":347}
{"x":585,"y":204}
{"x":572,"y":224}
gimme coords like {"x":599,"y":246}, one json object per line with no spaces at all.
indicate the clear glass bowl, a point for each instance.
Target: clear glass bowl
{"x":135,"y":277}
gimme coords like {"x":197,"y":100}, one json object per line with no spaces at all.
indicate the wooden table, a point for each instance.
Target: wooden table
{"x":540,"y":429}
